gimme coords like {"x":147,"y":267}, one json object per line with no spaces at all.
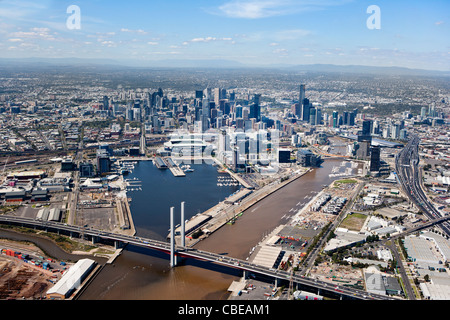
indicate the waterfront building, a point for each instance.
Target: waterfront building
{"x":308,"y":159}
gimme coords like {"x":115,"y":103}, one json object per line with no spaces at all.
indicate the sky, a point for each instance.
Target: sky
{"x":412,"y":34}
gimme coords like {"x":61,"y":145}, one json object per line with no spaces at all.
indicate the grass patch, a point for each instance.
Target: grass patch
{"x":343,"y":181}
{"x":354,"y":221}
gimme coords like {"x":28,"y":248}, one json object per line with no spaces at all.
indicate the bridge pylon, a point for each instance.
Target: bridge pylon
{"x":173,"y":257}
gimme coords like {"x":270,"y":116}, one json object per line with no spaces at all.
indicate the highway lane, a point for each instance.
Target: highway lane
{"x":407,"y":162}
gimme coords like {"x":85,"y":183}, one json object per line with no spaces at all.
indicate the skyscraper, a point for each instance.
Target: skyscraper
{"x":335,"y":119}
{"x":305,"y":109}
{"x":312,"y":116}
{"x":301,"y":95}
{"x":375,"y":158}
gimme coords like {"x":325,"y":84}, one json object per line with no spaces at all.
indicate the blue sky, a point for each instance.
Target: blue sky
{"x":413,"y":34}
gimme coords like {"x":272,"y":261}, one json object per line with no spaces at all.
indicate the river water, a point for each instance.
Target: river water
{"x":145,"y":274}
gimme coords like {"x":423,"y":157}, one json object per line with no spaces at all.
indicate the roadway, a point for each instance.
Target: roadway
{"x":407,"y":162}
{"x":321,"y":286}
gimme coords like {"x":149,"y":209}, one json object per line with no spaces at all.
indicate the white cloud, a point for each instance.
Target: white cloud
{"x":206,"y":39}
{"x":139,"y":31}
{"x":255,"y":9}
{"x":152,"y":43}
{"x":252,"y":9}
{"x":282,"y":52}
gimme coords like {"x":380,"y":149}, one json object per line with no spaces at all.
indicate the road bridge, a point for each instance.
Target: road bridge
{"x":323,"y":288}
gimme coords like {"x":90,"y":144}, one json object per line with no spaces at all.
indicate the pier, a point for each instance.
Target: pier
{"x":168,"y":163}
{"x":174,"y":168}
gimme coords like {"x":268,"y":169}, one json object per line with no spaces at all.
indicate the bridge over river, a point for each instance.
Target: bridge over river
{"x":322,"y":288}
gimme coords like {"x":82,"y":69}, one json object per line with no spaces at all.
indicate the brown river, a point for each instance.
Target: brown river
{"x":143,"y":274}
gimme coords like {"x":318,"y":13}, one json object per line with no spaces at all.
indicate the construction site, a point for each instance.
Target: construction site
{"x":21,"y":279}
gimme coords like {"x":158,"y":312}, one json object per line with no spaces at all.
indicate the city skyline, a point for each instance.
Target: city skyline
{"x":252,"y":33}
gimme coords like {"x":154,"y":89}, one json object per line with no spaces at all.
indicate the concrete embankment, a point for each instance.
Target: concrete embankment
{"x":224,"y":213}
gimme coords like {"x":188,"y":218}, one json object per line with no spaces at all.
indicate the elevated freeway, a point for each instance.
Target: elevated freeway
{"x":322,"y":287}
{"x":408,"y":175}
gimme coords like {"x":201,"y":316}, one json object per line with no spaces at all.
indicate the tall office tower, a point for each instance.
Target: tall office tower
{"x":206,"y":107}
{"x":351,"y":119}
{"x":395,"y":131}
{"x":376,"y":127}
{"x":345,"y":118}
{"x":232,"y":96}
{"x":207,"y":93}
{"x":238,"y":112}
{"x":204,"y":123}
{"x":423,"y":112}
{"x":431,"y":109}
{"x":226,"y":108}
{"x":296,"y":110}
{"x":199,"y":94}
{"x":375,"y":158}
{"x":335,"y":119}
{"x":223,"y":93}
{"x":217,"y":95}
{"x":366,"y":127}
{"x":318,"y":116}
{"x":255,"y":108}
{"x":403,"y":134}
{"x":105,"y":102}
{"x":129,"y":114}
{"x":305,"y":109}
{"x":365,"y":132}
{"x":301,"y":95}
{"x":257,"y":98}
{"x":312,"y":116}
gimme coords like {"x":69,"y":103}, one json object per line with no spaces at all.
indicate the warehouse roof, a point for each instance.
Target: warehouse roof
{"x":72,"y":278}
{"x":267,"y":256}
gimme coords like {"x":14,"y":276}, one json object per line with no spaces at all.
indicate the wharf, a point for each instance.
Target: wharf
{"x":223,"y":213}
{"x":174,"y":168}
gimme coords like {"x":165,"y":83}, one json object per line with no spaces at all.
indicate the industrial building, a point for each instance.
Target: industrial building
{"x":344,"y":239}
{"x":268,"y":256}
{"x":71,"y":280}
{"x":46,"y":214}
{"x":379,"y":283}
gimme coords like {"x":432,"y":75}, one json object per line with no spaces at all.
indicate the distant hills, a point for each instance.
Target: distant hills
{"x":216,"y":64}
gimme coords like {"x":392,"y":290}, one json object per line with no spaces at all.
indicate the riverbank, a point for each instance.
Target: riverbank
{"x":224,"y":212}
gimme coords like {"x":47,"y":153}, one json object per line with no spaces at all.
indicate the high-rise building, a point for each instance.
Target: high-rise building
{"x":366,"y":127}
{"x":238,"y":112}
{"x":312,"y":116}
{"x":365,"y":134}
{"x":318,"y":116}
{"x":375,"y":158}
{"x":199,"y":94}
{"x":423,"y":112}
{"x":296,"y":110}
{"x":301,"y":95}
{"x":305,"y":109}
{"x":335,"y":119}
